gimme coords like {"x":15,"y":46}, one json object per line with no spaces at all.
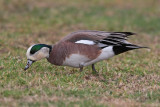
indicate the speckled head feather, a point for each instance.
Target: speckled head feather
{"x":37,"y":47}
{"x":38,"y":51}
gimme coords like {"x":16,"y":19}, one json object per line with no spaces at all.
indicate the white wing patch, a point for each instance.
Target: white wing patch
{"x":87,"y":42}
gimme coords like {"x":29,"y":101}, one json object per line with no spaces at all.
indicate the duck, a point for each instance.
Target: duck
{"x":82,"y":48}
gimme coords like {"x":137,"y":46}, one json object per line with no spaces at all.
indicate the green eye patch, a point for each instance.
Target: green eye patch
{"x":37,"y":47}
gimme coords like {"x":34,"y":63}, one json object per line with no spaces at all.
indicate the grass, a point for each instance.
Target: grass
{"x":129,"y":79}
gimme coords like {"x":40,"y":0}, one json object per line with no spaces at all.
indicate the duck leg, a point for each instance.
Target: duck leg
{"x":93,"y":68}
{"x":81,"y":67}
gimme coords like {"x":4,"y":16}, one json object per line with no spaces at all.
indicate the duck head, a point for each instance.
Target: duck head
{"x":37,"y":52}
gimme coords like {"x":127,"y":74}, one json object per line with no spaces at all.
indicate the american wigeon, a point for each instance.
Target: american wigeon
{"x":82,"y":48}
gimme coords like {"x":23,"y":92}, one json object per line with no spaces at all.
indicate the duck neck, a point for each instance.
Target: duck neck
{"x":48,"y":51}
{"x":50,"y":48}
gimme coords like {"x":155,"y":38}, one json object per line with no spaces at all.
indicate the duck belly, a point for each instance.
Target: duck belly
{"x":75,"y":60}
{"x":106,"y":53}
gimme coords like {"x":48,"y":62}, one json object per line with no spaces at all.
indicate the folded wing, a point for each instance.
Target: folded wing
{"x":103,"y":39}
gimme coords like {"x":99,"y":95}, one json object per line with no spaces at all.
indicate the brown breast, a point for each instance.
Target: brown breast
{"x":63,"y":50}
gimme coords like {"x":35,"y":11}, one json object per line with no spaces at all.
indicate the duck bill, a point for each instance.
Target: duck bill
{"x":29,"y":63}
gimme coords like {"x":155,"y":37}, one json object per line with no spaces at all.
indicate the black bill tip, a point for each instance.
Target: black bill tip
{"x":29,"y":63}
{"x":26,"y":68}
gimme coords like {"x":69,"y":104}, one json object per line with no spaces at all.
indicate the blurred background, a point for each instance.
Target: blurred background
{"x":133,"y":76}
{"x":24,"y":22}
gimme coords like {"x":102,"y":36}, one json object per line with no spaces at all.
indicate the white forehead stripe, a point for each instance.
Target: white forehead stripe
{"x":87,"y":42}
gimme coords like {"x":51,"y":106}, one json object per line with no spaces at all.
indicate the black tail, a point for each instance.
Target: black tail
{"x":125,"y":47}
{"x":125,"y":33}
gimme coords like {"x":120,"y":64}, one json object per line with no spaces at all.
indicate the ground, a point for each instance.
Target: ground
{"x":129,"y":79}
